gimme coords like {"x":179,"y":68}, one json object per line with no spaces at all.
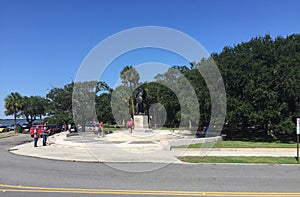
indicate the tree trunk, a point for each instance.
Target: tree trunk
{"x":132,"y":104}
{"x":66,"y":125}
{"x":15,"y":120}
{"x":83,"y":125}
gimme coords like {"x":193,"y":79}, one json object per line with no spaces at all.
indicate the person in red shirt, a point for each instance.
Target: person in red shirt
{"x":100,"y":130}
{"x":36,"y":136}
{"x":130,"y":125}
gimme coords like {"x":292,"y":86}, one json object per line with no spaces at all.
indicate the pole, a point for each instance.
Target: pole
{"x":15,"y":117}
{"x":298,"y":147}
{"x":298,"y":133}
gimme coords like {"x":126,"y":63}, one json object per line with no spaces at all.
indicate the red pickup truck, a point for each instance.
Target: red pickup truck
{"x":39,"y":127}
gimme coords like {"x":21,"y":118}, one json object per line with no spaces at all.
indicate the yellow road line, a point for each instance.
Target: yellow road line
{"x":31,"y":189}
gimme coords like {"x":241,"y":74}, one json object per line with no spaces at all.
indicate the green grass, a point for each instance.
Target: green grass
{"x":8,"y":135}
{"x":237,"y":159}
{"x":247,"y":144}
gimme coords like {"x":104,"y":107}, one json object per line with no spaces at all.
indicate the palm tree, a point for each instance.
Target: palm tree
{"x":130,"y":77}
{"x":13,"y":104}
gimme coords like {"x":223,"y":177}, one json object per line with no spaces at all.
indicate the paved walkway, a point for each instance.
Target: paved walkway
{"x":122,"y":147}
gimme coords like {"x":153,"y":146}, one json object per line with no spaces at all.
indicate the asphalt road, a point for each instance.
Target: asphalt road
{"x":26,"y":176}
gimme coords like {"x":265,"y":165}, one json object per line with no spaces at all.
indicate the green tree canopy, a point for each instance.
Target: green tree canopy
{"x":262,"y":85}
{"x":130,"y":78}
{"x":13,"y":105}
{"x":33,"y":107}
{"x":60,"y":105}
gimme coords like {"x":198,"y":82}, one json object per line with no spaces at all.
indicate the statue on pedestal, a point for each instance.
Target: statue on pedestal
{"x":140,"y":98}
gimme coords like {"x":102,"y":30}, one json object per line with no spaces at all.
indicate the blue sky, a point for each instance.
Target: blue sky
{"x":43,"y":42}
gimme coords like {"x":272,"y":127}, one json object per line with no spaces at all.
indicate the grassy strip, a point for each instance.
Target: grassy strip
{"x":235,"y":159}
{"x":8,"y":135}
{"x":247,"y":144}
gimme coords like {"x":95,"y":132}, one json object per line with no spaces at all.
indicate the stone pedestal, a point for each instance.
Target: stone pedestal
{"x":141,"y":124}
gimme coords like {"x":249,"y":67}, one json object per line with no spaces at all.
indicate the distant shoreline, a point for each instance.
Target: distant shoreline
{"x":10,"y":121}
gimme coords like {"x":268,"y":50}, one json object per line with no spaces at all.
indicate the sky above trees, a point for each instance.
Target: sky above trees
{"x":43,"y":43}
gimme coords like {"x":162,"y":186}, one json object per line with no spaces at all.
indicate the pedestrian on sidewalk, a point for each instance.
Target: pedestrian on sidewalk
{"x":46,"y":132}
{"x":130,"y":125}
{"x":36,"y":136}
{"x":100,"y":130}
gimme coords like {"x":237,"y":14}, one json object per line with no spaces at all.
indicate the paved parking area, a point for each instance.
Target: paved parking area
{"x":122,"y":147}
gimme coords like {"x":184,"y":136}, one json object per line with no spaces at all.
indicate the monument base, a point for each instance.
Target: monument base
{"x":140,"y":122}
{"x":141,"y":125}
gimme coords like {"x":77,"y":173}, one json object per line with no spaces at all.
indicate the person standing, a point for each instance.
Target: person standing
{"x":130,"y":125}
{"x":36,"y":136}
{"x":46,"y":132}
{"x":100,"y":130}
